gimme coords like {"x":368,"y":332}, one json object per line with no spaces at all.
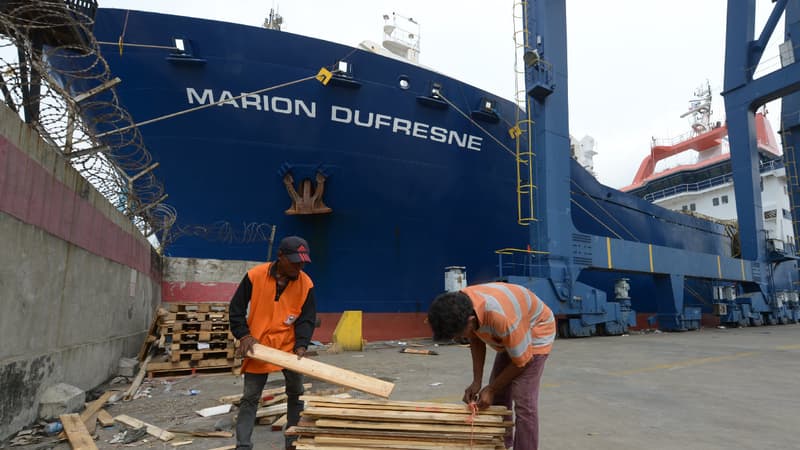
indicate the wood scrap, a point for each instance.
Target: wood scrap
{"x":105,"y":419}
{"x":268,"y":420}
{"x":181,"y":443}
{"x":77,"y":434}
{"x":274,"y":410}
{"x":138,"y":380}
{"x":227,"y":447}
{"x":277,"y":399}
{"x":200,"y":433}
{"x":237,"y":398}
{"x":93,"y":407}
{"x":416,"y":351}
{"x":151,"y":429}
{"x":322,"y":371}
{"x":280,"y":423}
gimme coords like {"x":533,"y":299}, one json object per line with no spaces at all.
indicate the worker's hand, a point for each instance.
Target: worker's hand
{"x":300,"y":352}
{"x":485,"y":397}
{"x":246,"y":344}
{"x":471,"y":391}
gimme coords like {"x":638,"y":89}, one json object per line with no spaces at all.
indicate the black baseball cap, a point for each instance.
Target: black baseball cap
{"x":296,"y":249}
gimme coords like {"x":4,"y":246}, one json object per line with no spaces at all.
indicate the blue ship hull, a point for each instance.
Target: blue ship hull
{"x":404,"y":204}
{"x":413,"y":185}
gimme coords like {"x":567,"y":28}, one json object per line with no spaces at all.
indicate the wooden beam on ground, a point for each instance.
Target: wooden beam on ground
{"x":220,"y":434}
{"x":139,"y":377}
{"x":236,"y":398}
{"x":226,"y":447}
{"x":105,"y":418}
{"x":322,"y":371}
{"x":280,"y":423}
{"x":151,"y":429}
{"x":77,"y":434}
{"x":274,"y":410}
{"x":93,"y":407}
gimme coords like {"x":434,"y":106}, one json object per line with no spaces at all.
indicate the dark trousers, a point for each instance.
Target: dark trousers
{"x":253,"y":385}
{"x":524,"y":392}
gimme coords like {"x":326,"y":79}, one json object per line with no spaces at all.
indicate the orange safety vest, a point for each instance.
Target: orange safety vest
{"x":271,"y":322}
{"x":512,"y":319}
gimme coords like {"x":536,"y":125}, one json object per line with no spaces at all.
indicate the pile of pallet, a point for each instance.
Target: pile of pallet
{"x":329,"y":423}
{"x":189,"y":338}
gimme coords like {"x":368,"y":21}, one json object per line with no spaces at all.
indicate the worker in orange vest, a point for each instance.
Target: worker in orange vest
{"x":274,"y":306}
{"x":521,"y":328}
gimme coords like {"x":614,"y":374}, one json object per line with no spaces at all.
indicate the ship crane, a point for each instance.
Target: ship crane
{"x":596,"y":252}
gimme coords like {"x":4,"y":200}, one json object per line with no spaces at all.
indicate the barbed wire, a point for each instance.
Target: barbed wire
{"x":225,"y":232}
{"x":78,"y":102}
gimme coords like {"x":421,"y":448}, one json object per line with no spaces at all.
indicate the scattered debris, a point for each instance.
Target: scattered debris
{"x":215,"y":410}
{"x":151,"y":429}
{"x":181,"y":443}
{"x":416,"y":351}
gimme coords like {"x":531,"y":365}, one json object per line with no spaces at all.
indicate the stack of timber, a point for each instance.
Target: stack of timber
{"x":355,"y":424}
{"x":191,"y":337}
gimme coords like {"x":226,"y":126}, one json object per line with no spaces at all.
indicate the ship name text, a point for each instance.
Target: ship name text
{"x":338,"y":114}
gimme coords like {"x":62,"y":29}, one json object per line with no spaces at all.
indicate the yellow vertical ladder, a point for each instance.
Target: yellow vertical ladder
{"x":522,"y":131}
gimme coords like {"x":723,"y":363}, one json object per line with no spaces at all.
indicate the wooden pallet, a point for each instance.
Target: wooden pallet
{"x":191,"y":333}
{"x":199,"y":355}
{"x":197,"y":307}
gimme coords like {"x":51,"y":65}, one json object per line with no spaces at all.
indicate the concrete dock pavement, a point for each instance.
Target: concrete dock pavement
{"x":707,"y":389}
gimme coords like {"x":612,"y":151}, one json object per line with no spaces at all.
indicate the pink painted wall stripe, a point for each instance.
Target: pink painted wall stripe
{"x":33,"y":195}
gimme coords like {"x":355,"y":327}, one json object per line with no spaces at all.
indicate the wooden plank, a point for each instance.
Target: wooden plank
{"x":363,"y":425}
{"x":274,"y":410}
{"x":276,"y":399}
{"x":406,"y":444}
{"x":226,"y":447}
{"x":181,"y":443}
{"x":280,"y":423}
{"x":431,"y":435}
{"x":236,"y":398}
{"x":105,"y":418}
{"x":197,"y":433}
{"x":400,"y":405}
{"x":402,"y":416}
{"x":139,"y":377}
{"x":151,"y":429}
{"x":93,"y":407}
{"x":322,"y":371}
{"x":78,"y":437}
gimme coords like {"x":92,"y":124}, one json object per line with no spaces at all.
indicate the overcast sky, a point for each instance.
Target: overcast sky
{"x":633,"y":64}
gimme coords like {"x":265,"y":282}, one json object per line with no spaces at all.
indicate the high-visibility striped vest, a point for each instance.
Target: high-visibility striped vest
{"x":513,"y":319}
{"x":271,"y":322}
